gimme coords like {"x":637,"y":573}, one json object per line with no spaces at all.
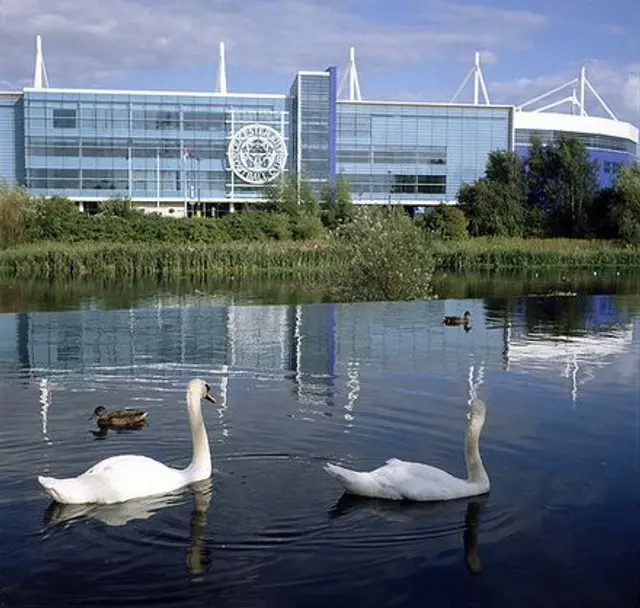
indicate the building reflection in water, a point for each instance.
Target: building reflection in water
{"x":324,"y":350}
{"x":568,"y":337}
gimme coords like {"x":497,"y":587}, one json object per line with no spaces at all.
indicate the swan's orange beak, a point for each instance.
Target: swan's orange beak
{"x":209,"y":397}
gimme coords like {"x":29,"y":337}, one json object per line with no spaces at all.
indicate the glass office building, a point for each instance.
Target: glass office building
{"x":152,"y":147}
{"x":417,"y":153}
{"x":174,"y":152}
{"x":167,"y":149}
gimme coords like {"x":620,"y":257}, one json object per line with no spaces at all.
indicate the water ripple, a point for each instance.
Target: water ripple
{"x":298,"y":386}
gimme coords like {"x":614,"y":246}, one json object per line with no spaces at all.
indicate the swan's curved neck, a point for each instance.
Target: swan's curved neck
{"x":476,"y":472}
{"x":200,"y":465}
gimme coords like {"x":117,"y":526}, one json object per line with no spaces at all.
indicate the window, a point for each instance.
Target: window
{"x":421,"y":184}
{"x":64,"y":118}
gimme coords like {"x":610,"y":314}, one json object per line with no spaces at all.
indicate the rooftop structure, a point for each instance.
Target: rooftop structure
{"x":213,"y":151}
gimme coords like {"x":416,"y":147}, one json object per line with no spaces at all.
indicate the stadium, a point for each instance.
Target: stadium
{"x":214,"y":151}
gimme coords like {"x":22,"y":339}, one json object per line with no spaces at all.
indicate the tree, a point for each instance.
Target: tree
{"x":491,"y":209}
{"x":295,"y":197}
{"x":626,"y":206}
{"x":505,"y":167}
{"x":563,"y":182}
{"x":446,"y":222}
{"x":292,"y":195}
{"x":15,"y":209}
{"x":343,"y":208}
{"x":495,"y":204}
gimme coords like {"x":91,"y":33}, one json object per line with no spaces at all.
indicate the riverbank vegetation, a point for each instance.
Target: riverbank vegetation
{"x":544,"y":211}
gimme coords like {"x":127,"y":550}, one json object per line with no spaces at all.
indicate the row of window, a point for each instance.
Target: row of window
{"x":393,"y":184}
{"x":150,"y":120}
{"x":346,"y":108}
{"x":591,"y":140}
{"x":418,"y":128}
{"x":419,"y":184}
{"x":87,"y":179}
{"x":123,"y":148}
{"x":148,"y":174}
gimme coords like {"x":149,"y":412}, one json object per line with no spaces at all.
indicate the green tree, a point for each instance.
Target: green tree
{"x":495,"y":205}
{"x":15,"y":208}
{"x":603,"y":223}
{"x":282,"y":196}
{"x":626,"y":204}
{"x":491,"y":209}
{"x":293,"y":195}
{"x":57,"y":219}
{"x":563,"y":183}
{"x":342,"y":210}
{"x":446,"y":222}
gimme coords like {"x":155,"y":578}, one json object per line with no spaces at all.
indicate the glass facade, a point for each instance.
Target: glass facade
{"x":148,"y":146}
{"x":422,"y":153}
{"x":590,"y":140}
{"x":171,"y":151}
{"x":313,"y":99}
{"x":609,"y":153}
{"x":11,"y":138}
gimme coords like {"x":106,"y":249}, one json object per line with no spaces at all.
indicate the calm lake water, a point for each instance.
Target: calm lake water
{"x":302,"y":382}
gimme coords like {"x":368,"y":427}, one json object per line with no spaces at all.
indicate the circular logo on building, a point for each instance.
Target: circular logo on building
{"x":257,"y":154}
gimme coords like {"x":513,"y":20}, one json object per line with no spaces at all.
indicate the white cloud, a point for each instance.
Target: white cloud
{"x":488,"y":57}
{"x":88,"y":41}
{"x":613,"y":30}
{"x":619,"y":86}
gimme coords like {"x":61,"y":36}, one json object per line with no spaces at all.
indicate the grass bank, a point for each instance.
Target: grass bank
{"x":320,"y":260}
{"x":313,"y":260}
{"x":484,"y":253}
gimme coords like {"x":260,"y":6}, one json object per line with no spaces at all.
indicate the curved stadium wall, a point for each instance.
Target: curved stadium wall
{"x":612,"y":143}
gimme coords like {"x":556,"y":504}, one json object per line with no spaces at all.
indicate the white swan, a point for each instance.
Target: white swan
{"x":398,"y":480}
{"x":121,"y":478}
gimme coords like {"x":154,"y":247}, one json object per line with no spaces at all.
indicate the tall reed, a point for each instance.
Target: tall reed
{"x":503,"y":253}
{"x":136,"y":260}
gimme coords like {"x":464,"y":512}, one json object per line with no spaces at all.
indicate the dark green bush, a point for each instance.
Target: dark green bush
{"x":447,"y":223}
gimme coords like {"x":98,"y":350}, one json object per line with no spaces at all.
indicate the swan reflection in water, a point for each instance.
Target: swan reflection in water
{"x":120,"y":514}
{"x":405,"y":511}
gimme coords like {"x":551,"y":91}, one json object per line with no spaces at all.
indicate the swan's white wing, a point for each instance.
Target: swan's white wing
{"x":114,"y":480}
{"x":417,"y":481}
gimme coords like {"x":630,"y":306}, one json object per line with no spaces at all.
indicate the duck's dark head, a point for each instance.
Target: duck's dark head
{"x":101,"y":409}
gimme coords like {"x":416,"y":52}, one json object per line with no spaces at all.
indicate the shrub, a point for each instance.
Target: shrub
{"x":384,"y":255}
{"x":306,"y":226}
{"x":119,"y":206}
{"x":15,"y":206}
{"x":447,"y":223}
{"x":57,"y":219}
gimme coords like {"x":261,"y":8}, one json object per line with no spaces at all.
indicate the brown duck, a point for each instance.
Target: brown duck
{"x":119,"y":419}
{"x":453,"y":320}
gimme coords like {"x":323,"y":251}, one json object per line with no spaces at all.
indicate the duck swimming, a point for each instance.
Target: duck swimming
{"x":454,"y":320}
{"x":119,"y":419}
{"x":400,"y":480}
{"x":128,"y":476}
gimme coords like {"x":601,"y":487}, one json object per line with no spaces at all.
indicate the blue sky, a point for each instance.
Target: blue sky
{"x":405,"y":49}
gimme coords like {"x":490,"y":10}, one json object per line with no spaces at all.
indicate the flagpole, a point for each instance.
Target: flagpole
{"x":184,"y":179}
{"x":130,"y":170}
{"x":157,"y":178}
